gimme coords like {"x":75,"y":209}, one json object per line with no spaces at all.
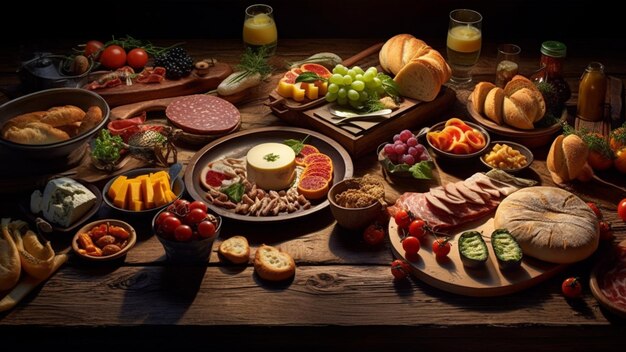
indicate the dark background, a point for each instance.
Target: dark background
{"x":583,"y":25}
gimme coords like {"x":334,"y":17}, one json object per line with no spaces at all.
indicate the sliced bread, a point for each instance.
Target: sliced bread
{"x":419,"y":80}
{"x":493,"y":104}
{"x":235,"y":249}
{"x":479,"y":95}
{"x":272,"y":264}
{"x":515,"y":116}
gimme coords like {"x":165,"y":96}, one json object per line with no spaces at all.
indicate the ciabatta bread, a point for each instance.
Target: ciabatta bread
{"x":419,"y":69}
{"x":235,"y":249}
{"x":272,"y":264}
{"x":550,"y":224}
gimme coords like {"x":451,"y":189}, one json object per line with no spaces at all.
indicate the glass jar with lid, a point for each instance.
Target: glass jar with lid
{"x":592,"y":93}
{"x":553,"y":55}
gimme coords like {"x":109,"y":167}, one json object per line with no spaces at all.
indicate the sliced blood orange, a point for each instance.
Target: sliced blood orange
{"x":455,"y":121}
{"x":316,"y":68}
{"x":327,"y":174}
{"x":313,"y":187}
{"x":316,"y":158}
{"x":289,"y":77}
{"x":306,"y":150}
{"x":296,"y":71}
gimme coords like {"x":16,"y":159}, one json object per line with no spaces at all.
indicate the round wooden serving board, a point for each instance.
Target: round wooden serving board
{"x":597,"y":274}
{"x":449,"y":274}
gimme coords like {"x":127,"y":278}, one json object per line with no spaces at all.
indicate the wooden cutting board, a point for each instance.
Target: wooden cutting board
{"x":449,"y":274}
{"x":123,"y":94}
{"x":360,"y":137}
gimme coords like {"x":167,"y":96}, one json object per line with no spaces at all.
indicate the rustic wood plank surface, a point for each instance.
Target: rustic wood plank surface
{"x":343,"y":295}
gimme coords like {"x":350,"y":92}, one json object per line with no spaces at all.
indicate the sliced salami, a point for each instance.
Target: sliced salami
{"x":203,"y":114}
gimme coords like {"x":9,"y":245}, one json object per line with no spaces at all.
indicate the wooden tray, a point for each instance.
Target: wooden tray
{"x":191,"y":84}
{"x":449,"y":274}
{"x":360,"y":137}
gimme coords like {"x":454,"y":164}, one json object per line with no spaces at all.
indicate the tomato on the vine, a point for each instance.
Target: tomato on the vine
{"x":595,"y":209}
{"x":571,"y":287}
{"x":411,"y":244}
{"x":402,"y":218}
{"x":374,"y":235}
{"x":113,"y":57}
{"x":93,"y":48}
{"x":416,"y":228}
{"x":400,"y":269}
{"x":137,"y":58}
{"x":621,"y":209}
{"x":441,"y":246}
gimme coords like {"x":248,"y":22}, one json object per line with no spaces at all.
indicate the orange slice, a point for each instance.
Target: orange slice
{"x":455,"y":133}
{"x":475,"y":139}
{"x":316,"y":158}
{"x":460,"y":148}
{"x":455,"y":121}
{"x":306,"y":150}
{"x":313,"y":187}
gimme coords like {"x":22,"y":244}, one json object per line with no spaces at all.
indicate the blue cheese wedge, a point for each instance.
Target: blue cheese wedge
{"x":63,"y":201}
{"x":272,"y":166}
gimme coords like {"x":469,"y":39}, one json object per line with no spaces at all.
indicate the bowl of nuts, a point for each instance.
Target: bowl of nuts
{"x":187,"y":231}
{"x":104,"y":240}
{"x":507,"y":156}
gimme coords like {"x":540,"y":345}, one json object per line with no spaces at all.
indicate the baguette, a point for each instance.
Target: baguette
{"x":272,"y":264}
{"x":235,"y":249}
{"x":35,"y":133}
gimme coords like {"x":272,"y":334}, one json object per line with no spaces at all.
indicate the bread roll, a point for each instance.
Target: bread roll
{"x":519,"y":111}
{"x":10,"y":265}
{"x":35,"y":133}
{"x":550,"y":224}
{"x":479,"y":95}
{"x":419,"y":69}
{"x":92,"y":118}
{"x":272,"y":264}
{"x":493,"y":104}
{"x":235,"y":249}
{"x":63,"y":115}
{"x":22,"y":120}
{"x":567,"y":158}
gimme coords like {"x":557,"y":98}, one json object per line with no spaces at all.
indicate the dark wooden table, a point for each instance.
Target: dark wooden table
{"x":342,"y":296}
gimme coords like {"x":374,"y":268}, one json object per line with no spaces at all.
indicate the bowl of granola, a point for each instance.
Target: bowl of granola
{"x":355,"y":202}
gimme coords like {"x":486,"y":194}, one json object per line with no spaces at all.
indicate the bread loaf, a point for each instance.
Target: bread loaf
{"x":479,"y":95}
{"x":419,"y":69}
{"x":35,"y":133}
{"x":521,"y":102}
{"x":550,"y":224}
{"x":272,"y":264}
{"x":567,"y":158}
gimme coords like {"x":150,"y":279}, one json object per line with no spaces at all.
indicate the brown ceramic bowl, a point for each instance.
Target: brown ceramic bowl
{"x":459,"y":157}
{"x":351,"y":218}
{"x":132,"y":239}
{"x":522,"y":149}
{"x":45,"y":100}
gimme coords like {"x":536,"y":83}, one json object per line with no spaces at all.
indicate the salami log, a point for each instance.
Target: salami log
{"x":203,"y":114}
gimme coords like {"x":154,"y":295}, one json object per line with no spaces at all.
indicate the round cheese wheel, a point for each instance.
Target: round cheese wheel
{"x":550,"y":224}
{"x":272,"y":166}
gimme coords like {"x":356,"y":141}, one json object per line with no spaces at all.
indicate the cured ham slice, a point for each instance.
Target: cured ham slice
{"x":442,"y":210}
{"x":613,"y":282}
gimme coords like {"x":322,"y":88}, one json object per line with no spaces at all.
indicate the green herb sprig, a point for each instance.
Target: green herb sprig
{"x":253,"y":62}
{"x":295,"y":144}
{"x":107,"y":147}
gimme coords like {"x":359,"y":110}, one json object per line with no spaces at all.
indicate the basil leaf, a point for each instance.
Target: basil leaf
{"x":295,"y":144}
{"x":389,"y":85}
{"x":234,"y":192}
{"x":309,"y":77}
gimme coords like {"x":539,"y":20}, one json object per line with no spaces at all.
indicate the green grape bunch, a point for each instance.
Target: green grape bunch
{"x":358,"y":88}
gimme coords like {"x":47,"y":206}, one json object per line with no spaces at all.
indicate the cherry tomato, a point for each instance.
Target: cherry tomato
{"x":571,"y":287}
{"x":416,"y":228}
{"x":183,"y":233}
{"x":206,"y":229}
{"x":161,"y":217}
{"x":180,"y":207}
{"x":93,"y":48}
{"x":199,"y":205}
{"x":621,"y":209}
{"x":620,"y":160}
{"x":400,"y":269}
{"x":441,"y":246}
{"x":113,"y":57}
{"x":374,"y":235}
{"x":195,"y":216}
{"x":411,"y":244}
{"x":595,"y":209}
{"x":402,"y":218}
{"x":137,"y":58}
{"x":606,"y":233}
{"x":170,"y":224}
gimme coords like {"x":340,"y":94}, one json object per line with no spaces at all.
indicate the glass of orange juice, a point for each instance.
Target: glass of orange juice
{"x":259,"y":28}
{"x":463,"y":44}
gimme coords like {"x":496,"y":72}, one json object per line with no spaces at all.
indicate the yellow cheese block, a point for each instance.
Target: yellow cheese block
{"x":298,"y":92}
{"x":271,"y":166}
{"x":115,"y":186}
{"x":134,"y":193}
{"x":159,"y":197}
{"x":147,"y":193}
{"x":136,"y":205}
{"x":159,"y":174}
{"x":312,"y":91}
{"x":120,"y":196}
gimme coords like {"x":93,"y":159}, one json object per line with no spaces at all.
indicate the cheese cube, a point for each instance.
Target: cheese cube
{"x":64,"y":201}
{"x":115,"y":186}
{"x":135,"y":192}
{"x":147,"y":193}
{"x":120,"y":196}
{"x":159,"y":196}
{"x":136,"y":205}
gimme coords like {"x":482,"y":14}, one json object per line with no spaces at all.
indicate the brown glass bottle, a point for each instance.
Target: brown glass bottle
{"x":553,"y":55}
{"x":592,"y":92}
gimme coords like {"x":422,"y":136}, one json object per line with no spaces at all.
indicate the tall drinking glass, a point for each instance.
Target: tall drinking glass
{"x":463,"y":45}
{"x":259,"y":28}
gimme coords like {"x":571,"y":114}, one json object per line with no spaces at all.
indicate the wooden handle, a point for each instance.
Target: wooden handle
{"x":130,"y":110}
{"x":362,"y":55}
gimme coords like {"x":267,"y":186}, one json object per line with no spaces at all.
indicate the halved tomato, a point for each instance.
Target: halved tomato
{"x":475,"y":139}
